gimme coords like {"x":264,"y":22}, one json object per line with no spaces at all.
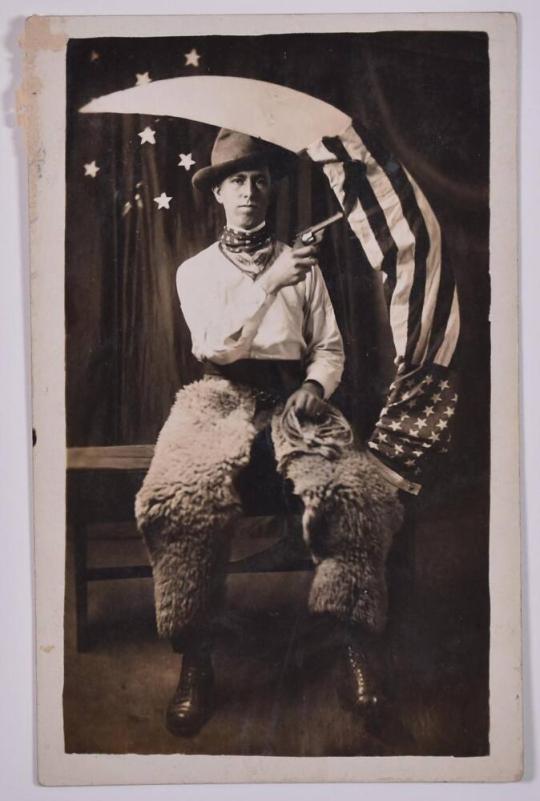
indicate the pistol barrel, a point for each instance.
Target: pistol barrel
{"x":329,"y":220}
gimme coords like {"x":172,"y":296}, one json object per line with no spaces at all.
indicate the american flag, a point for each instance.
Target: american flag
{"x":401,"y":236}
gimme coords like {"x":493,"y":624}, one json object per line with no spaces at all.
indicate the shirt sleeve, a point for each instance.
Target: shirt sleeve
{"x":220,"y":332}
{"x":325,"y":357}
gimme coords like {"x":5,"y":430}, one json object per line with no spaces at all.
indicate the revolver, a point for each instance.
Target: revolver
{"x":313,"y":234}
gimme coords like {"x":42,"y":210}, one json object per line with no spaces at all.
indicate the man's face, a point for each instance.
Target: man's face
{"x":245,"y":196}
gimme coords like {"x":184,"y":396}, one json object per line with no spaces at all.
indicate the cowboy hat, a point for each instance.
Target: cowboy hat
{"x":234,"y":151}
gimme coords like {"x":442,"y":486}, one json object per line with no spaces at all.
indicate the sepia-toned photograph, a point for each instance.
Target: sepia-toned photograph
{"x":278,"y":358}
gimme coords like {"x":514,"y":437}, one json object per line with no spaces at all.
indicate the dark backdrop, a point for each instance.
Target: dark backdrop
{"x":425,"y":95}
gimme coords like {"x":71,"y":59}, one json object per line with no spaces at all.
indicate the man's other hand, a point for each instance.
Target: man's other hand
{"x":307,"y":401}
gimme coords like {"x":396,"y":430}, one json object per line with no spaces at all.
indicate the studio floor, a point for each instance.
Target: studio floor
{"x":276,"y":673}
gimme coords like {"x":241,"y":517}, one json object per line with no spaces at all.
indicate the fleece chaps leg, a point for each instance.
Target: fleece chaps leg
{"x":188,"y":503}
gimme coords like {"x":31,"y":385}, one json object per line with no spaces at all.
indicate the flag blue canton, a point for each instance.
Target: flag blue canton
{"x":416,"y":420}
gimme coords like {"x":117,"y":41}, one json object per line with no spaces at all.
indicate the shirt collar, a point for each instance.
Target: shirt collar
{"x":247,"y":230}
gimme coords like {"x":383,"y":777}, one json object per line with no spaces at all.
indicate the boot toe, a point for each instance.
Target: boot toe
{"x":193,"y":702}
{"x":183,"y":719}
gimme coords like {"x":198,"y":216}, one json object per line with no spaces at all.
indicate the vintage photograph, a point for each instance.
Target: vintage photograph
{"x":315,"y":510}
{"x":278,"y":402}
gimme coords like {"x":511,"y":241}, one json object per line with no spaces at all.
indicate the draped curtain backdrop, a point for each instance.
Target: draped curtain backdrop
{"x":425,"y":96}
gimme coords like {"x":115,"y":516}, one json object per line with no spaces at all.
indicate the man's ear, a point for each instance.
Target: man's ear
{"x":217,"y":194}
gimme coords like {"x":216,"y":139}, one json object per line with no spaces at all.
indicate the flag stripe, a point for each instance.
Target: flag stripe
{"x":412,"y":214}
{"x":396,"y":251}
{"x":451,"y":334}
{"x":433,"y":273}
{"x":442,"y":312}
{"x":357,"y":187}
{"x":421,"y":292}
{"x":428,"y":301}
{"x":356,"y":218}
{"x":402,"y":236}
{"x":397,"y":198}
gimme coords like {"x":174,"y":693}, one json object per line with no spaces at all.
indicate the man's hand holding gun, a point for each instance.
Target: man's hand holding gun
{"x":293,"y":265}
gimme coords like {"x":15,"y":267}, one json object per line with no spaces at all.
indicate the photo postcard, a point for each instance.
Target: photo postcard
{"x":275,"y":397}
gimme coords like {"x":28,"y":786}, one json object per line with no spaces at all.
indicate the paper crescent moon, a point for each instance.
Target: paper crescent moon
{"x":278,"y":114}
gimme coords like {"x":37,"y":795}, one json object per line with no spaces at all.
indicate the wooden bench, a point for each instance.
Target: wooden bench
{"x":101,"y":487}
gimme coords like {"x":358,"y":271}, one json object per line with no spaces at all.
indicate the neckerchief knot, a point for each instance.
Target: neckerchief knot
{"x":250,"y":251}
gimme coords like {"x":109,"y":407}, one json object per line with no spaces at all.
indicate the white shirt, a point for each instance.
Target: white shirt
{"x":230,"y":317}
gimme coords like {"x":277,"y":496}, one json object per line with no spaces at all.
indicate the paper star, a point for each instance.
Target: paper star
{"x":442,"y":424}
{"x":382,"y":436}
{"x":148,"y":135}
{"x":409,"y":463}
{"x":444,"y":385}
{"x":142,"y":78}
{"x":94,"y":55}
{"x":449,"y":411}
{"x":421,"y":423}
{"x":428,"y":380}
{"x":192,"y":58}
{"x":436,"y":397}
{"x":435,"y":437}
{"x":417,"y":453}
{"x":394,"y":425}
{"x":162,"y":201}
{"x":428,"y":410}
{"x":398,"y":448}
{"x":91,"y":169}
{"x":185,"y":161}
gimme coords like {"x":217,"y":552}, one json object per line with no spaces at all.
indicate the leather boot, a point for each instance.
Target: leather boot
{"x":192,"y":703}
{"x":362,"y":677}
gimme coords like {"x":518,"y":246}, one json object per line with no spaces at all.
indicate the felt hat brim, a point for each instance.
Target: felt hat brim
{"x":278,"y":160}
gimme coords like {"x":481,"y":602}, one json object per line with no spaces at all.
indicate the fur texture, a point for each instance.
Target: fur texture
{"x":188,"y":501}
{"x":350,"y":516}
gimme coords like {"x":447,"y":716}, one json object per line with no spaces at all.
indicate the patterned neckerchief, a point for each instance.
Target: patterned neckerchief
{"x":250,"y":251}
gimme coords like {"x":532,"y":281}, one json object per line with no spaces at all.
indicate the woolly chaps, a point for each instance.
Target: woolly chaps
{"x":188,"y":502}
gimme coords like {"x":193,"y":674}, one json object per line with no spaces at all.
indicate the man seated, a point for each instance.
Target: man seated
{"x":263,"y":326}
